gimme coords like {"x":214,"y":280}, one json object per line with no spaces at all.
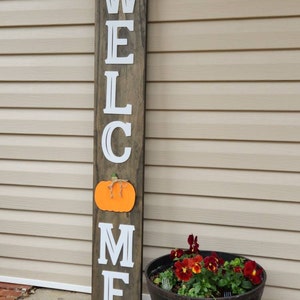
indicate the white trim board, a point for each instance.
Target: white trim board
{"x":47,"y":284}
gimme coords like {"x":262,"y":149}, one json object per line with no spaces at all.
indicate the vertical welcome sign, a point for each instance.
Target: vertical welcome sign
{"x":119,"y":149}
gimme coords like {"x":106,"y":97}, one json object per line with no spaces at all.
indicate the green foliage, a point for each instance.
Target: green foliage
{"x":166,"y":279}
{"x":207,"y":277}
{"x":208,"y":283}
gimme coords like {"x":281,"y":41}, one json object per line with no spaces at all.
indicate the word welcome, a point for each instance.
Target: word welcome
{"x":125,"y":240}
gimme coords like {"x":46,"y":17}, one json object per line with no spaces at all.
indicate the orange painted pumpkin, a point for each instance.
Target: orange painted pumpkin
{"x":115,"y":195}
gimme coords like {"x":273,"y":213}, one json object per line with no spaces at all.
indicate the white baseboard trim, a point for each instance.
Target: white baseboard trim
{"x":47,"y":284}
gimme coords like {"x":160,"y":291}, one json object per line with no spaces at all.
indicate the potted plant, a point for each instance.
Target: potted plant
{"x":194,"y":274}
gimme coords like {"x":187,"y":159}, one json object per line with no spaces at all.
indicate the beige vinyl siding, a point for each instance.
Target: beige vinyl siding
{"x":180,"y":10}
{"x":223,"y":96}
{"x":46,"y":142}
{"x":222,"y":132}
{"x":222,"y":136}
{"x":47,"y":40}
{"x":223,"y":35}
{"x":45,"y":12}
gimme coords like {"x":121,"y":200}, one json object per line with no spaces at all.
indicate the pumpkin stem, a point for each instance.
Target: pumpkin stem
{"x":115,"y":179}
{"x":114,"y":176}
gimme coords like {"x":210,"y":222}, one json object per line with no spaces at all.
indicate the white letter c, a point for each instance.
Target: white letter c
{"x":106,"y":141}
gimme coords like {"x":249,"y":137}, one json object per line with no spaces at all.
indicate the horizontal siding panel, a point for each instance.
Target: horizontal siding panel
{"x":225,"y":35}
{"x":224,"y":154}
{"x":79,"y":128}
{"x":223,"y":125}
{"x":50,"y":148}
{"x":46,"y":145}
{"x":46,"y":12}
{"x":170,"y":10}
{"x":246,"y":241}
{"x":222,"y":211}
{"x":47,"y":95}
{"x":47,"y":114}
{"x":55,"y":122}
{"x":47,"y":67}
{"x":65,"y":39}
{"x":44,"y":224}
{"x":49,"y":272}
{"x":223,"y":183}
{"x":274,"y":293}
{"x":266,"y":96}
{"x":48,"y":174}
{"x":60,"y":200}
{"x":224,"y":66}
{"x":282,"y":273}
{"x":222,"y":131}
{"x":52,"y":249}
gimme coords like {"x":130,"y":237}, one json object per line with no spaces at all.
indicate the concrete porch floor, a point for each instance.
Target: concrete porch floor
{"x":48,"y":294}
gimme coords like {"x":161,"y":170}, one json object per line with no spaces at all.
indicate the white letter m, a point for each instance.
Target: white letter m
{"x":125,"y":241}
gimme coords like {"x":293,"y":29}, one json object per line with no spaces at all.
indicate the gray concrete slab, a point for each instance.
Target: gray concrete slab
{"x":48,"y":294}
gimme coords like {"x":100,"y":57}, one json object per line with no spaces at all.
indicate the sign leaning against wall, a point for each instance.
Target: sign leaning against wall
{"x":119,"y":149}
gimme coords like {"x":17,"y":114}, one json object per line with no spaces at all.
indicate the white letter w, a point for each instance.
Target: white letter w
{"x":125,"y":241}
{"x":113,"y":6}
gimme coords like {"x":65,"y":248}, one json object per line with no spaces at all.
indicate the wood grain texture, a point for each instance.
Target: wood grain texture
{"x":130,"y":90}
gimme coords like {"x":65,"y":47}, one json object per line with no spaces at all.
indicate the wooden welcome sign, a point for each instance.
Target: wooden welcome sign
{"x":119,"y":149}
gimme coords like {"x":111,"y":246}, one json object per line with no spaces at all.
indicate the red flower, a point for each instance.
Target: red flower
{"x":211,"y":263}
{"x":238,"y":269}
{"x":176,"y":253}
{"x":182,"y":270}
{"x":193,"y":242}
{"x":194,"y":264}
{"x":220,"y":261}
{"x":252,"y":272}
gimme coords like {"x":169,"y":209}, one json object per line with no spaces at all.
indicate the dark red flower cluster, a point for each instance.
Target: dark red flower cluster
{"x":253,"y":272}
{"x":185,"y":269}
{"x":193,"y":275}
{"x":176,"y":253}
{"x":195,"y":264}
{"x":213,"y":262}
{"x":193,"y":242}
{"x":182,"y":270}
